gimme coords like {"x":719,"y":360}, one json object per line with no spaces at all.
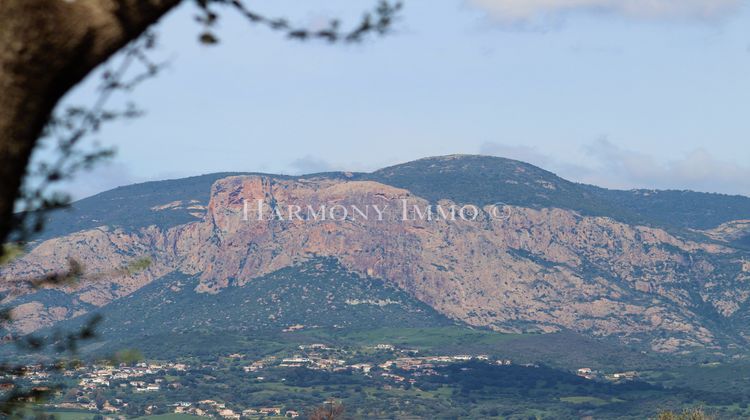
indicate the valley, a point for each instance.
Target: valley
{"x":384,"y":380}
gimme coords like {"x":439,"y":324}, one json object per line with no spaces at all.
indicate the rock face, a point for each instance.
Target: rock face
{"x":513,"y":268}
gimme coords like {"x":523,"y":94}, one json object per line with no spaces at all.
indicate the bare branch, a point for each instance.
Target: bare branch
{"x":379,"y":21}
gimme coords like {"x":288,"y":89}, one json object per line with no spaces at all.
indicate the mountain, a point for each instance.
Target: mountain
{"x":662,"y":270}
{"x":487,"y":180}
{"x":460,"y":178}
{"x":318,"y":294}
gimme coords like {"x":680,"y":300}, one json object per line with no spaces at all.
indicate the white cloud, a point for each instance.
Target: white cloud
{"x":697,"y":170}
{"x":310,"y":164}
{"x":514,"y":11}
{"x":609,"y":165}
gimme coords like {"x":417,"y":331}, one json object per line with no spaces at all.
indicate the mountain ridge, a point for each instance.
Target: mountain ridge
{"x":631,"y":206}
{"x":554,"y":264}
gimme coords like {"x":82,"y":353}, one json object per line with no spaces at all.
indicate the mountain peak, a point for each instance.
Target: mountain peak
{"x":479,"y":179}
{"x":467,"y":161}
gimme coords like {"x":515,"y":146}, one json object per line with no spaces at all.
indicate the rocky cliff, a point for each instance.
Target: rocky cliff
{"x":515,"y":266}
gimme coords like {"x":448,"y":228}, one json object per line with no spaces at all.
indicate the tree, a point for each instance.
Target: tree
{"x":696,"y":413}
{"x":331,"y":410}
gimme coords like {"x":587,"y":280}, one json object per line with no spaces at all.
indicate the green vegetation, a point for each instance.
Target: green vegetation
{"x":729,"y":377}
{"x":466,"y":179}
{"x":488,"y":180}
{"x":319,"y":295}
{"x":588,"y":400}
{"x":9,"y":252}
{"x":319,"y":301}
{"x":73,"y":415}
{"x":687,"y":414}
{"x":429,"y":338}
{"x":130,"y":207}
{"x":138,"y":265}
{"x":473,"y":390}
{"x":522,"y":348}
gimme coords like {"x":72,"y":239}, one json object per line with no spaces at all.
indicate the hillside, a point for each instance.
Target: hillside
{"x":134,"y":206}
{"x":648,"y":268}
{"x":488,"y":180}
{"x":460,"y":178}
{"x":317,"y":294}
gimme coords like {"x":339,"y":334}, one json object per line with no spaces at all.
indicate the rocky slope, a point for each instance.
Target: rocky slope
{"x":554,"y":257}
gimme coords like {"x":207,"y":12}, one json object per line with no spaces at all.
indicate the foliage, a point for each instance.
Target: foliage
{"x":686,"y":414}
{"x":332,"y":410}
{"x":9,"y":253}
{"x":472,"y":390}
{"x":319,"y":294}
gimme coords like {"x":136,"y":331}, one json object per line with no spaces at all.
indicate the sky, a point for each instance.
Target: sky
{"x":617,"y":93}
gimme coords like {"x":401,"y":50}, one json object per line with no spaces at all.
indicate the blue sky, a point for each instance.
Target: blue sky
{"x":619,"y":93}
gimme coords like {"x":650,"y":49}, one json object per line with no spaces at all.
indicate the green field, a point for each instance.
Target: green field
{"x":521,"y":348}
{"x":429,"y":338}
{"x":586,"y":400}
{"x":73,"y":415}
{"x":171,"y":417}
{"x":82,"y":415}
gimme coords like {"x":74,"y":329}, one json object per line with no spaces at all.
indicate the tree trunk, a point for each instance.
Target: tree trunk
{"x":46,"y":48}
